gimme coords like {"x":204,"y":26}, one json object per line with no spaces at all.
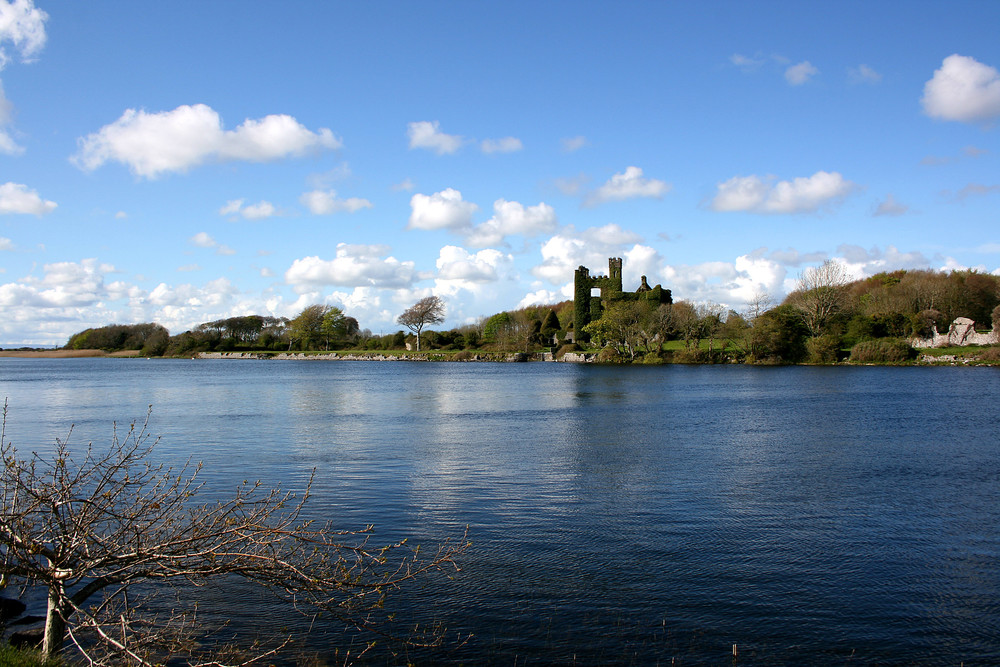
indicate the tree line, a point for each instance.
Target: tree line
{"x":821,"y":321}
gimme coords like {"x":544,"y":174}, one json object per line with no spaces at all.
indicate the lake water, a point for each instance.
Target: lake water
{"x":618,"y":515}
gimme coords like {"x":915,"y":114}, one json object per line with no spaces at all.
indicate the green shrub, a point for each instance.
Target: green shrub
{"x":608,"y":355}
{"x":691,"y":355}
{"x":823,"y":349}
{"x":653,"y":359}
{"x":882,"y":351}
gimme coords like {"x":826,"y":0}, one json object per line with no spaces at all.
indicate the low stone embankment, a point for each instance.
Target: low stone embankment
{"x":574,"y":357}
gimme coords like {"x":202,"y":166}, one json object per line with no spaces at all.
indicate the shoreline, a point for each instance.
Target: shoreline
{"x":493,"y":357}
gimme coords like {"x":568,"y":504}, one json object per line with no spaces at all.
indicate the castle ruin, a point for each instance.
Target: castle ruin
{"x":588,"y":307}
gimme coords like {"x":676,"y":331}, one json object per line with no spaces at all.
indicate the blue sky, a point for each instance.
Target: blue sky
{"x":180,"y":162}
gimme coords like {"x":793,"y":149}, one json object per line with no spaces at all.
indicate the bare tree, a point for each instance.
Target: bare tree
{"x":89,"y":529}
{"x":821,"y":294}
{"x":429,"y":310}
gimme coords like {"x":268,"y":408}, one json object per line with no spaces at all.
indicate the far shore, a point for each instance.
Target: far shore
{"x":66,"y":354}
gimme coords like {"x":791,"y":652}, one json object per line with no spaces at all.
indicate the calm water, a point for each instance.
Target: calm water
{"x":625,"y":515}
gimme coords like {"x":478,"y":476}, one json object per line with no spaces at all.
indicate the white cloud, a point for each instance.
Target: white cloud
{"x":800,"y":74}
{"x":17,"y":198}
{"x":629,"y":184}
{"x":511,"y":217}
{"x":573,"y":144}
{"x":890,"y":207}
{"x":860,"y":262}
{"x":259,"y":211}
{"x":6,"y":244}
{"x":763,"y":195}
{"x":325,"y":202}
{"x":441,"y":210}
{"x":174,"y":141}
{"x":353,"y":266}
{"x":505,"y":145}
{"x":22,"y":25}
{"x":458,"y":264}
{"x":863,"y":74}
{"x":203,"y":240}
{"x":426,"y":134}
{"x":568,"y":249}
{"x":963,"y":89}
{"x":404,"y":186}
{"x":121,"y":215}
{"x":7,"y":144}
{"x":747,"y":63}
{"x":70,"y":284}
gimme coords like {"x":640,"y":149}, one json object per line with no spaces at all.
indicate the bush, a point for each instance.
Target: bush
{"x":653,"y":359}
{"x":882,"y":351}
{"x":608,"y":355}
{"x":463,"y":355}
{"x":823,"y":349}
{"x":692,"y":355}
{"x":990,"y":354}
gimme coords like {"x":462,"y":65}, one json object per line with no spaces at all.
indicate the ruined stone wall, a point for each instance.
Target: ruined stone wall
{"x":961,"y":332}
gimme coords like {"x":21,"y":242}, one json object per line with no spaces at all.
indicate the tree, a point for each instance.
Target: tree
{"x":89,"y":529}
{"x":334,"y":326}
{"x":625,"y":326}
{"x":429,"y":310}
{"x":307,"y":326}
{"x":821,"y":295}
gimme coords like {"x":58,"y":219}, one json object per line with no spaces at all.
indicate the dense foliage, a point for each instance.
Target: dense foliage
{"x":821,"y":321}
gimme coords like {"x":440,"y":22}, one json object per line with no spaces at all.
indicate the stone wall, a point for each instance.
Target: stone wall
{"x":961,"y":332}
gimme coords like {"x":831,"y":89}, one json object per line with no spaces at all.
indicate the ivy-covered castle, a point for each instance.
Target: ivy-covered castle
{"x":588,"y":307}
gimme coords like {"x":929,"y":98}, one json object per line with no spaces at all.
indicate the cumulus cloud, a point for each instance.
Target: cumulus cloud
{"x":860,"y":262}
{"x":890,"y":207}
{"x":17,"y":198}
{"x":427,"y":134}
{"x":203,"y":240}
{"x":441,"y":210}
{"x":23,"y":25}
{"x":564,"y":252}
{"x":763,"y":195}
{"x":6,"y":244}
{"x":504,"y":145}
{"x":573,"y":144}
{"x":964,"y":90}
{"x":797,"y":75}
{"x":863,"y":74}
{"x":511,"y":217}
{"x":152,"y":144}
{"x":63,"y":285}
{"x":353,"y":266}
{"x":458,"y":264}
{"x":259,"y":211}
{"x":630,"y":184}
{"x":325,"y":202}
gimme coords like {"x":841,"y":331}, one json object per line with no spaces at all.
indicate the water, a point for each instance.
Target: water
{"x":623,"y":515}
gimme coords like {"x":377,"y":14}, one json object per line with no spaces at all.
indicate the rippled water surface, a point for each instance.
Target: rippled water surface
{"x":624,"y":515}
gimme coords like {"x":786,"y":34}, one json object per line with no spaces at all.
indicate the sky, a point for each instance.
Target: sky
{"x":181,"y":162}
